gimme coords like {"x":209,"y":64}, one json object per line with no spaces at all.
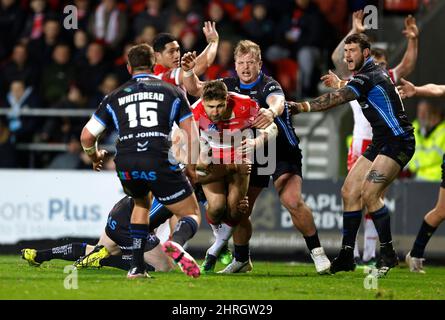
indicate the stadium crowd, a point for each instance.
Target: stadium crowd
{"x":44,"y":65}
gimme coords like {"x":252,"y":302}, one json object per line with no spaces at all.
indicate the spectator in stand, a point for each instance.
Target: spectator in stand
{"x":33,"y":29}
{"x":429,"y":131}
{"x":19,"y":97}
{"x":7,"y":150}
{"x":19,"y":67}
{"x":108,"y":24}
{"x":57,"y":76}
{"x":11,"y":23}
{"x":153,"y":15}
{"x":147,"y":35}
{"x":80,"y":41}
{"x":83,"y":13}
{"x":60,"y":129}
{"x":73,"y":158}
{"x":305,"y":32}
{"x":93,"y":70}
{"x":186,"y":14}
{"x":42,"y":47}
{"x":109,"y":83}
{"x":226,"y":27}
{"x":260,"y":28}
{"x":224,"y":67}
{"x":120,"y":65}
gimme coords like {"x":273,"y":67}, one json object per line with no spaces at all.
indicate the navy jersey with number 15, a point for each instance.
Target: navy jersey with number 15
{"x":143,"y":111}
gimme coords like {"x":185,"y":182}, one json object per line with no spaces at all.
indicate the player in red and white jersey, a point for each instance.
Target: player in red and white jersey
{"x":224,"y":117}
{"x":217,"y":129}
{"x":168,"y":56}
{"x":362,"y":131}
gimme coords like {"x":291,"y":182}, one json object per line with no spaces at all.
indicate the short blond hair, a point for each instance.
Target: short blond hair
{"x":247,"y":46}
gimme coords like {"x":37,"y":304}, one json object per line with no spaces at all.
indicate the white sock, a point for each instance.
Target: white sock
{"x":222,"y":233}
{"x":371,"y":237}
{"x":356,"y":251}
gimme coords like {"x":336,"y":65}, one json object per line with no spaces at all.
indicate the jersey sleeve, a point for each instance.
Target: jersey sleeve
{"x":272,"y":88}
{"x":360,"y":84}
{"x":181,"y":109}
{"x":104,"y":113}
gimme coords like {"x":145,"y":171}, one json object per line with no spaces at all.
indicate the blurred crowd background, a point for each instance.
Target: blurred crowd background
{"x":45,"y":66}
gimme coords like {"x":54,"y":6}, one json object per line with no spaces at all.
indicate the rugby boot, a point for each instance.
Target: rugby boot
{"x":344,"y":261}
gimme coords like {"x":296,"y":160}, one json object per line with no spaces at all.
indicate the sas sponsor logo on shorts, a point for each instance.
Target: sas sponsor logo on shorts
{"x":173,"y":196}
{"x":137,"y":175}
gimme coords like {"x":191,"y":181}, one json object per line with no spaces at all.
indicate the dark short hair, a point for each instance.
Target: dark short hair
{"x":379,"y":53}
{"x":359,"y":38}
{"x":214,"y":90}
{"x":161,"y":40}
{"x":141,"y":57}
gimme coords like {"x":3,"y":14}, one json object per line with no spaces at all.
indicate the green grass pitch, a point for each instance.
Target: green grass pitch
{"x":269,"y":280}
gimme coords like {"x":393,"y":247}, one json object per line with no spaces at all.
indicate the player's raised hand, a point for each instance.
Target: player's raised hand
{"x":98,"y":159}
{"x":210,"y":32}
{"x":188,"y":61}
{"x":331,"y":80}
{"x":264,"y":118}
{"x":411,"y":31}
{"x":357,"y":22}
{"x":406,"y":89}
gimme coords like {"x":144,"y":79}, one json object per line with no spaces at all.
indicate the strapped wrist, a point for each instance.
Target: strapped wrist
{"x":305,"y":106}
{"x":90,"y":150}
{"x":188,"y":73}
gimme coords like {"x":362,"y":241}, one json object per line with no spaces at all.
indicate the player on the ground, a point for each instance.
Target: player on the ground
{"x":113,"y":248}
{"x":287,"y":175}
{"x":224,"y":119}
{"x":143,"y":111}
{"x":362,"y":131}
{"x":434,"y":218}
{"x":391,"y":149}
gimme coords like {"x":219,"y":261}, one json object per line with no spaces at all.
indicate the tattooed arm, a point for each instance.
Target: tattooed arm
{"x":324,"y":102}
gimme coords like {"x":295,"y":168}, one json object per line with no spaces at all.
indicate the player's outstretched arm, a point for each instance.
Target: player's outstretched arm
{"x":324,"y":102}
{"x":338,"y":54}
{"x":207,"y":56}
{"x":191,"y":82}
{"x":408,"y":63}
{"x":408,"y":90}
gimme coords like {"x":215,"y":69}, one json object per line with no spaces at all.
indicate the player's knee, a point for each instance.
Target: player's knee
{"x":348,"y":193}
{"x":216,"y":212}
{"x":292,"y":202}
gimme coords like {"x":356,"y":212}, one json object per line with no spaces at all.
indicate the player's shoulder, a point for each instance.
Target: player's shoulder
{"x":239,"y":97}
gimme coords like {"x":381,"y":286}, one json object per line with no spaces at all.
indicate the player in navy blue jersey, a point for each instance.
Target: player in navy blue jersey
{"x":287,"y":174}
{"x":391,"y":149}
{"x":143,"y":111}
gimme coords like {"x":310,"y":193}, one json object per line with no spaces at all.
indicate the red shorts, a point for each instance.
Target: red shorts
{"x":356,"y":149}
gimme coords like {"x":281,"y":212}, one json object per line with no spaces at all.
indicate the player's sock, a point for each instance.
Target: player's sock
{"x":382,"y":224}
{"x":371,"y":237}
{"x":70,"y":252}
{"x":425,"y":233}
{"x":313,"y":241}
{"x":241,"y":253}
{"x":121,"y":262}
{"x":158,"y":214}
{"x":351,"y":223}
{"x":356,"y":250}
{"x":139,"y":234}
{"x":222,"y":233}
{"x":185,"y":230}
